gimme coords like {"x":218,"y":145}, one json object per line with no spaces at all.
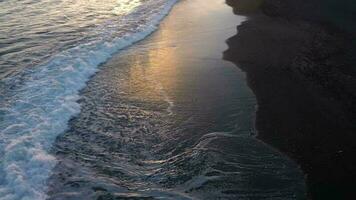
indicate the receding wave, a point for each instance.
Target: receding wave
{"x":39,"y":109}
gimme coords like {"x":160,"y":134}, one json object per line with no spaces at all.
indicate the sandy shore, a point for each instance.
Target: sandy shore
{"x":300,"y":66}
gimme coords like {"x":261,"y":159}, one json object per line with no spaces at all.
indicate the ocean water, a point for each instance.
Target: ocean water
{"x":89,"y":112}
{"x":48,"y":50}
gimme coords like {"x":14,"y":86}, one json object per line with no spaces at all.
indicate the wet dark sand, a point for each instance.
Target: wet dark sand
{"x":302,"y":71}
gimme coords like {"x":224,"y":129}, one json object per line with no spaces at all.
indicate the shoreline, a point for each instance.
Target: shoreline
{"x":300,"y":71}
{"x":168,"y":118}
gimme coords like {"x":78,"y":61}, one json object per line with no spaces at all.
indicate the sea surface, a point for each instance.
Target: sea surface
{"x":89,"y":112}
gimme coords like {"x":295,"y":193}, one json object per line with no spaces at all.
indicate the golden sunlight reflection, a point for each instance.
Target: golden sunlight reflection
{"x":153,"y":74}
{"x":163,"y":67}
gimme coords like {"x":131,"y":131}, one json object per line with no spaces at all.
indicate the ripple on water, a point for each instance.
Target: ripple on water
{"x":38,"y":100}
{"x":124,"y":146}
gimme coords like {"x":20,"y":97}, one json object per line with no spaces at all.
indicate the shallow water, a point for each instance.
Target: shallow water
{"x":49,"y":49}
{"x":168,"y":119}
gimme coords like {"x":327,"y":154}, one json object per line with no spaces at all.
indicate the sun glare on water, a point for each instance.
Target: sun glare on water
{"x":125,"y":6}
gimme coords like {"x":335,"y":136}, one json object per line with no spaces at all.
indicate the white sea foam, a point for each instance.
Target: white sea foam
{"x":40,"y":109}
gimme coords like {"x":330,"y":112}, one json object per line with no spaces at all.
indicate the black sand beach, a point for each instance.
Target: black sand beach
{"x":299,"y":57}
{"x":156,"y":99}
